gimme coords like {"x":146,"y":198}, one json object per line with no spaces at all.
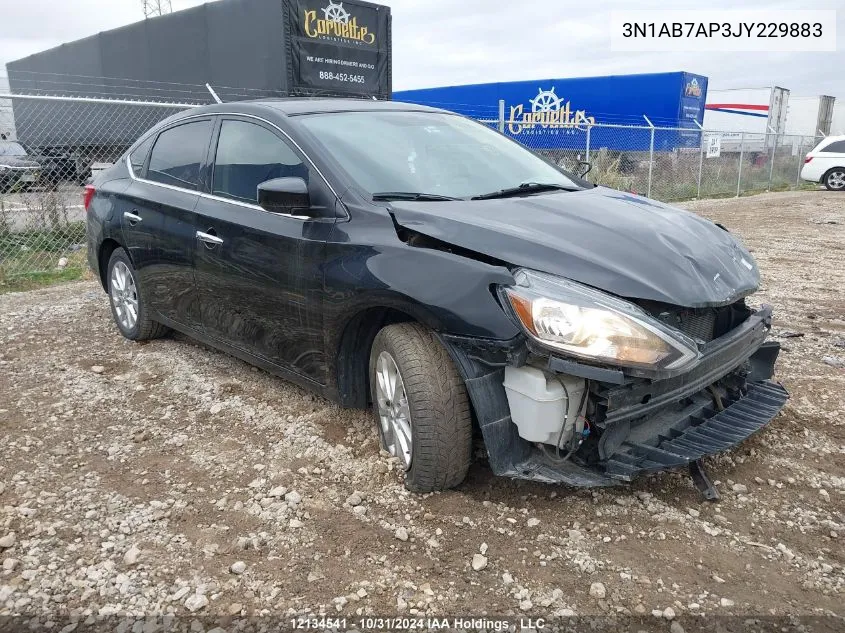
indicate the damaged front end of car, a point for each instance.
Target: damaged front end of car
{"x":601,"y":390}
{"x":637,"y":350}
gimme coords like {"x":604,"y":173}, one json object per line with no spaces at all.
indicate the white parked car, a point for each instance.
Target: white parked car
{"x":826,"y":163}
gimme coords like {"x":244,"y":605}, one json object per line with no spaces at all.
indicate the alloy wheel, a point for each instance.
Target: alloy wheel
{"x":394,"y":412}
{"x":124,"y":295}
{"x":836,"y":179}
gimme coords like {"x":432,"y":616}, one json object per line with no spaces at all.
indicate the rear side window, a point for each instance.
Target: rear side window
{"x":139,"y":155}
{"x":247,"y":155}
{"x":178,"y":154}
{"x":837,"y":147}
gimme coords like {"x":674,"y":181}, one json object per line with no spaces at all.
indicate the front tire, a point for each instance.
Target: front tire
{"x":834,"y":179}
{"x":421,"y":407}
{"x":126,"y":300}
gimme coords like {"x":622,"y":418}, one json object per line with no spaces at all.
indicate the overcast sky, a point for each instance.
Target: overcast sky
{"x":441,"y":42}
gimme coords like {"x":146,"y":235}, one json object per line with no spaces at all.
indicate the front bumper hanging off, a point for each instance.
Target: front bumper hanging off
{"x":696,"y":435}
{"x":712,"y":408}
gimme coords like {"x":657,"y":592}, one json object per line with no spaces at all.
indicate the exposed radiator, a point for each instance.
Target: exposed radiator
{"x":698,"y":324}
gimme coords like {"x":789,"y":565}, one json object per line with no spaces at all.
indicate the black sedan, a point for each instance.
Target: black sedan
{"x":18,"y":170}
{"x":22,"y":168}
{"x":407,"y":258}
{"x":59,"y":165}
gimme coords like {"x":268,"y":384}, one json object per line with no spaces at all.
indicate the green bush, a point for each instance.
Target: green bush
{"x":607,"y":170}
{"x":55,"y":240}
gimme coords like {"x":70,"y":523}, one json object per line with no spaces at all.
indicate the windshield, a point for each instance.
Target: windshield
{"x":430,"y":153}
{"x":11,"y":149}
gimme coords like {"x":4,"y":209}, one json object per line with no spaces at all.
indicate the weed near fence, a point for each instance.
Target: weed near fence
{"x":35,"y":257}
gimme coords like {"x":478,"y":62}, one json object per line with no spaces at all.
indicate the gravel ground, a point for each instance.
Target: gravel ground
{"x":171,"y":478}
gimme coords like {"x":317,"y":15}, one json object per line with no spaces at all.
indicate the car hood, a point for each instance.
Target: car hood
{"x":618,"y":242}
{"x":18,"y":162}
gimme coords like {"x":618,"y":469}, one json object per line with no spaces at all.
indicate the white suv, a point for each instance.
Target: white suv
{"x":826,"y":163}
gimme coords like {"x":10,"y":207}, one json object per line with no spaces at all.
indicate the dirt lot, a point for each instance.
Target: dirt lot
{"x":169,"y":477}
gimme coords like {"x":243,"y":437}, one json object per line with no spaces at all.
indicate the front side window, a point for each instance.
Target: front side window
{"x":139,"y":155}
{"x":247,"y":155}
{"x":429,"y":152}
{"x":837,"y":147}
{"x":178,"y":154}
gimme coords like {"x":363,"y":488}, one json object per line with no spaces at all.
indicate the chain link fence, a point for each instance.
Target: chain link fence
{"x":669,"y":164}
{"x":50,"y":146}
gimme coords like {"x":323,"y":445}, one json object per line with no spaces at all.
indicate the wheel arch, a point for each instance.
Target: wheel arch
{"x":108,"y":246}
{"x":353,"y":351}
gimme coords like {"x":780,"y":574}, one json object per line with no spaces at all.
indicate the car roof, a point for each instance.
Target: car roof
{"x":828,"y":140}
{"x":292,"y":106}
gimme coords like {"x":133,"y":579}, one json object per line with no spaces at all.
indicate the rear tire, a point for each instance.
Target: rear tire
{"x":126,"y":299}
{"x":437,"y":405}
{"x":834,"y":179}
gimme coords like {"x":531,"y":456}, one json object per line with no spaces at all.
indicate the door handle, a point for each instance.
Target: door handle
{"x":132,"y":218}
{"x":211,"y":240}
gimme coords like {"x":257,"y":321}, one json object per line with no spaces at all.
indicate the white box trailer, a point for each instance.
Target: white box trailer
{"x":7,"y":118}
{"x":810,"y":116}
{"x":837,"y":124}
{"x":750,"y":115}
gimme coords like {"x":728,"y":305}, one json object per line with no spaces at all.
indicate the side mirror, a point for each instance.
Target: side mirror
{"x":284,"y":195}
{"x":583,"y":167}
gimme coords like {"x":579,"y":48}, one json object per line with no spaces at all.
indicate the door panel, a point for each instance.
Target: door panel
{"x":161,"y":246}
{"x":261,"y":288}
{"x":157,"y":217}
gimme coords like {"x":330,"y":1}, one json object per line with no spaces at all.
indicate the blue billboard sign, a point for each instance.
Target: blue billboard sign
{"x":556,"y":113}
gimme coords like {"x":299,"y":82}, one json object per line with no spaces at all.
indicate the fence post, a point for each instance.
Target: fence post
{"x":800,"y":162}
{"x":589,"y":127}
{"x":502,"y":116}
{"x":213,"y":94}
{"x":700,"y":164}
{"x":772,"y":162}
{"x":650,"y":157}
{"x":741,"y":155}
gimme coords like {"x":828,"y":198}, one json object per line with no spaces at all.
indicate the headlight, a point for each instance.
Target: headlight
{"x":584,"y":322}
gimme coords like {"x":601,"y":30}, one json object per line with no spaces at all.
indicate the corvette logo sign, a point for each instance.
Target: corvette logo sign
{"x":338,"y":47}
{"x":547,"y":111}
{"x":336,"y":22}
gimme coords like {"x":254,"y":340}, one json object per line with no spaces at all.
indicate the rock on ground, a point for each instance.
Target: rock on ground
{"x":479,"y":562}
{"x":195,"y":602}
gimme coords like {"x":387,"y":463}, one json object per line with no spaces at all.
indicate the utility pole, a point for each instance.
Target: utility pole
{"x":152,"y":8}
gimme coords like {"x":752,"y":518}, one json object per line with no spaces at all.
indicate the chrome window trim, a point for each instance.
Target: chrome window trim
{"x":209,"y":196}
